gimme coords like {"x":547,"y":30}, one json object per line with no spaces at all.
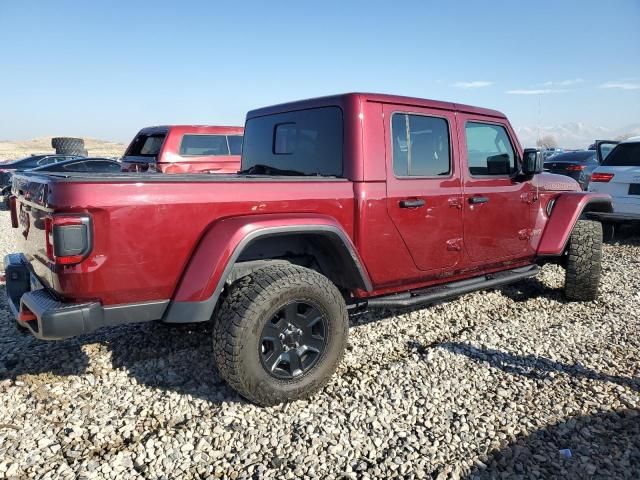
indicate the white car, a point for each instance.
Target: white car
{"x":619,"y":176}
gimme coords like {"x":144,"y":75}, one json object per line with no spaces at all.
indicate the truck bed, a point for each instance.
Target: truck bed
{"x":146,"y":226}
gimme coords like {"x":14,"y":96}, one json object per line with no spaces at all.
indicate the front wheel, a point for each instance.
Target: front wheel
{"x":584,"y":261}
{"x":280,"y":334}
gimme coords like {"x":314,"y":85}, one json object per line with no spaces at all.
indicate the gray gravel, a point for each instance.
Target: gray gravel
{"x":493,"y":385}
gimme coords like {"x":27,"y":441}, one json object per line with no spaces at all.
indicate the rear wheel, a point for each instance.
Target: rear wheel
{"x":583,"y":262}
{"x":280,"y":334}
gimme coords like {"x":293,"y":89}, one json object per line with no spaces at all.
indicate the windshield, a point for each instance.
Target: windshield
{"x":305,"y":142}
{"x":624,"y":155}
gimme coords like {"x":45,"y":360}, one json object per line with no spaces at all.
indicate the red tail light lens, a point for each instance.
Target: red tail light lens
{"x":13,"y":208}
{"x":575,"y":168}
{"x":601,"y":177}
{"x":68,"y":238}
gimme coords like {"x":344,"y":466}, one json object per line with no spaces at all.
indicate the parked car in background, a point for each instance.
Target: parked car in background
{"x":576,"y":164}
{"x":185,"y":149}
{"x":89,"y":164}
{"x":342,"y":202}
{"x":619,"y":176}
{"x":27,"y":163}
{"x":550,"y":152}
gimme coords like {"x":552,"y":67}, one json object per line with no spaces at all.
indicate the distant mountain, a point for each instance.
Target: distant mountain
{"x":573,"y":135}
{"x":10,"y":150}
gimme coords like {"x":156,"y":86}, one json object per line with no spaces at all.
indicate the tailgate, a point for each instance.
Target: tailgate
{"x":51,"y":242}
{"x":31,"y":212}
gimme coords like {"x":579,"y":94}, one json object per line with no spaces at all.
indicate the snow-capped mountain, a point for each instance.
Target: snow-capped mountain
{"x":573,"y":135}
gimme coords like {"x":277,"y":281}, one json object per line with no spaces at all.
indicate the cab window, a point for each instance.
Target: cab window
{"x":201,"y":145}
{"x":489,"y":150}
{"x":420,"y":146}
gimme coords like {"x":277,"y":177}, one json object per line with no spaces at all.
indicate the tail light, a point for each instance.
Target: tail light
{"x":575,"y":168}
{"x":68,"y":238}
{"x":13,"y":207}
{"x":601,"y":177}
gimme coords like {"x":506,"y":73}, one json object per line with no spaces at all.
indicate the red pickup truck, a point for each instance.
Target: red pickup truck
{"x":185,"y":149}
{"x":343,"y":202}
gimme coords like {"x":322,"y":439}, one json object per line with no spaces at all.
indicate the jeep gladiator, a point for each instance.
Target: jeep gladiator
{"x":343,"y":202}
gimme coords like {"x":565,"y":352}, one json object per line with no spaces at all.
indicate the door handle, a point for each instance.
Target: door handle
{"x":414,"y":203}
{"x":476,"y":200}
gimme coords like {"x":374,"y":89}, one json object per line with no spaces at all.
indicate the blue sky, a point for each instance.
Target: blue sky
{"x":107,"y":68}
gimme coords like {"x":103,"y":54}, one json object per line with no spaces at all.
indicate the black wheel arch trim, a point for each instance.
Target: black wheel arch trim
{"x":201,"y":311}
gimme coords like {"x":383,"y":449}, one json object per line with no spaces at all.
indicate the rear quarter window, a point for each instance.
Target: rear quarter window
{"x":235,"y":144}
{"x":624,"y":155}
{"x":304,"y":142}
{"x":204,"y":145}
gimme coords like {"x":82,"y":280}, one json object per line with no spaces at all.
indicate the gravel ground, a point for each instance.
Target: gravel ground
{"x":498,"y":384}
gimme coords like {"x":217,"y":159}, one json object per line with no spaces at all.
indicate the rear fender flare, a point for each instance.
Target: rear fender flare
{"x":220,"y":247}
{"x":567,"y":209}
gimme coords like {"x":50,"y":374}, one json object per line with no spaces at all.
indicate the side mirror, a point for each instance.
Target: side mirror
{"x":532,"y":161}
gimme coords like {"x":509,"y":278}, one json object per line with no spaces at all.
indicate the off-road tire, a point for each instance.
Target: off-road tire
{"x":67,"y":143}
{"x":251,"y":302}
{"x":81,"y":152}
{"x":583,"y":261}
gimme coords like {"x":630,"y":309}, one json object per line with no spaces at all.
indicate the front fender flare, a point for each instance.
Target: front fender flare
{"x":567,"y":209}
{"x":212,"y":262}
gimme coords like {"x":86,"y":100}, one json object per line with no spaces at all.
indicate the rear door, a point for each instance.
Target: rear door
{"x":423,"y":184}
{"x":497,"y":219}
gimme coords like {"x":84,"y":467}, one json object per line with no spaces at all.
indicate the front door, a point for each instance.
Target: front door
{"x":497,"y":204}
{"x":423,"y":184}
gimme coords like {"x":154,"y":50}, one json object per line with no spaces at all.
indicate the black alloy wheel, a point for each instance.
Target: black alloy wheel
{"x":293,"y":340}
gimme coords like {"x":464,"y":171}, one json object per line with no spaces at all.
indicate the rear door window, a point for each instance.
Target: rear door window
{"x":75,"y":167}
{"x":489,"y":150}
{"x":235,"y":144}
{"x":204,"y":145}
{"x":47,"y":161}
{"x":99,"y":166}
{"x":420,"y":146}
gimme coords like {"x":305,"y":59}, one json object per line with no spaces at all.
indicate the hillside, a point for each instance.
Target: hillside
{"x":17,"y":149}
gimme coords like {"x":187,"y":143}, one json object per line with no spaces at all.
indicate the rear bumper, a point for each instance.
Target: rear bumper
{"x":49,"y":318}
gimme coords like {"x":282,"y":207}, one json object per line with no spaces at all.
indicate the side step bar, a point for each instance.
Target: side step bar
{"x":450,"y":290}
